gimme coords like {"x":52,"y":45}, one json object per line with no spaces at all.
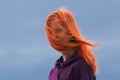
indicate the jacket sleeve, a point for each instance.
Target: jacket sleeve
{"x":82,"y":71}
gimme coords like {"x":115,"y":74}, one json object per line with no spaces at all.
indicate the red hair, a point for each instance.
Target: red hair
{"x":71,"y":38}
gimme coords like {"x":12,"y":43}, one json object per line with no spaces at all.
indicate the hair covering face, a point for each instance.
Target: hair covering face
{"x":59,"y":32}
{"x":63,"y":35}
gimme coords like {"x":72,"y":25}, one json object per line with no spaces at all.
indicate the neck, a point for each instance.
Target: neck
{"x":67,"y":55}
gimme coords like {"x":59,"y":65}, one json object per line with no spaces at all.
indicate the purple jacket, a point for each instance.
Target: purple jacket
{"x":75,"y":68}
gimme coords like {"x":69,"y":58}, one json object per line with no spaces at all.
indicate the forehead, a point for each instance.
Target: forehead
{"x":57,"y":23}
{"x":53,"y":18}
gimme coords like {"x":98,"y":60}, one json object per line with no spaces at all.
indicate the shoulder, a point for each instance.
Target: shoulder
{"x":81,"y":66}
{"x":83,"y":71}
{"x":81,"y":63}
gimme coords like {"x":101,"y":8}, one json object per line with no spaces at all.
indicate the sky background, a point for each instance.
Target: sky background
{"x":25,"y":53}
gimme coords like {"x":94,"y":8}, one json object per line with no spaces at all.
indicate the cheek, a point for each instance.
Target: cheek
{"x":57,"y":37}
{"x":61,"y":35}
{"x":66,"y":35}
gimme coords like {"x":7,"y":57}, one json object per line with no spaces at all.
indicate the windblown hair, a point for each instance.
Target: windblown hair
{"x":60,"y":21}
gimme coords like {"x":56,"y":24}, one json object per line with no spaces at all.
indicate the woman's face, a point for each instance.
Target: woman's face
{"x":60,"y":31}
{"x":60,"y":34}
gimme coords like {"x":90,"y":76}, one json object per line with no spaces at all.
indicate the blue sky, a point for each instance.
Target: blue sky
{"x":25,"y":53}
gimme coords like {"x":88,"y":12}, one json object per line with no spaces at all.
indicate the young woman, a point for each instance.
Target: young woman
{"x":77,"y":61}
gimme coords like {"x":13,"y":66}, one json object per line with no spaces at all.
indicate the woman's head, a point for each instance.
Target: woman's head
{"x":64,"y":36}
{"x":59,"y":27}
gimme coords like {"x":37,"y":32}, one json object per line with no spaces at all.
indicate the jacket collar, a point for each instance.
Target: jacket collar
{"x":73,"y":58}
